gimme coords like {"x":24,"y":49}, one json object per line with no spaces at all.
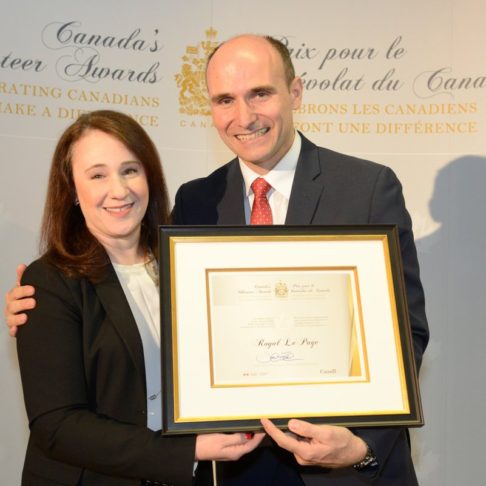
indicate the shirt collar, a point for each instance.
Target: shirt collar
{"x":281,"y":176}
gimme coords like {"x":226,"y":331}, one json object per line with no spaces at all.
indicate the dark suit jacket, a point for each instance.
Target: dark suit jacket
{"x":329,"y":189}
{"x":83,"y":376}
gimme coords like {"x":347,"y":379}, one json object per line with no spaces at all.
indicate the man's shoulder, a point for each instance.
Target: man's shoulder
{"x":341,"y":161}
{"x":331,"y":156}
{"x":196,"y":201}
{"x":211,"y":185}
{"x":338,"y":170}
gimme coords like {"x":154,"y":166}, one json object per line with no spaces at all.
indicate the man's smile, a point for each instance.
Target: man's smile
{"x":252,"y":136}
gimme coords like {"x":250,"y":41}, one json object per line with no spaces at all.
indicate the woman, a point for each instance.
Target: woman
{"x":89,"y":358}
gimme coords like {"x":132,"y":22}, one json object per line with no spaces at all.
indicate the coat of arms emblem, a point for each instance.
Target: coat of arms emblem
{"x":191,"y":81}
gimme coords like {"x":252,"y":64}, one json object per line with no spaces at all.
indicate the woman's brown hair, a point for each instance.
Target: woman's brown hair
{"x":65,"y":240}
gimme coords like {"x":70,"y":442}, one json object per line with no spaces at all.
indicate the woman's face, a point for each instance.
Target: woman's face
{"x":111,"y":187}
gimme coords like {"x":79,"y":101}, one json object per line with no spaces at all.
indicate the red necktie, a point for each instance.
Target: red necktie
{"x":261,"y":212}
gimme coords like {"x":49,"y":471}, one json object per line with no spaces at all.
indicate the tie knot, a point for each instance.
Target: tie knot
{"x":260,"y":187}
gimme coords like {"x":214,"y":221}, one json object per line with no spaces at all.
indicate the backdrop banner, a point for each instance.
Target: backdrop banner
{"x":400,"y":83}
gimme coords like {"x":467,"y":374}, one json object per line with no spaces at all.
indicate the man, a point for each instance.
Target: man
{"x":253,"y":90}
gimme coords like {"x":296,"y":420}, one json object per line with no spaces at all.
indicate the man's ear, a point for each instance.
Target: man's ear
{"x":296,"y":91}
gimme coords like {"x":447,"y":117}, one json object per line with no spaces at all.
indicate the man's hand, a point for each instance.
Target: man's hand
{"x":318,"y":445}
{"x":18,"y":300}
{"x":226,"y":447}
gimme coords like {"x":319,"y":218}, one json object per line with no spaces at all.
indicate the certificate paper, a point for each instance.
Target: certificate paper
{"x":284,"y":322}
{"x":283,"y":326}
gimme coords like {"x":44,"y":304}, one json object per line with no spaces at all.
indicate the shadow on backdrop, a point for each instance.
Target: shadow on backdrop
{"x":453,"y":378}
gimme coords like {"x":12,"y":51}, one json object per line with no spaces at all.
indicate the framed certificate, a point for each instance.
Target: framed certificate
{"x":284,"y":322}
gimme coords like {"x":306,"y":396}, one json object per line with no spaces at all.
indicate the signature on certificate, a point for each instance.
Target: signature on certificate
{"x":277,"y":356}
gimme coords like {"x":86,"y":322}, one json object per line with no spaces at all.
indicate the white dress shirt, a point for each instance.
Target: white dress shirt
{"x":281,"y":178}
{"x":143,"y":297}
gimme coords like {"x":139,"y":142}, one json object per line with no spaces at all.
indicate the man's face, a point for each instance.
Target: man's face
{"x":251,"y":102}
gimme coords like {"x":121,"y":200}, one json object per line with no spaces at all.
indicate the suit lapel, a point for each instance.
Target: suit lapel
{"x":307,"y":187}
{"x":306,"y":193}
{"x":118,"y":311}
{"x":231,"y":209}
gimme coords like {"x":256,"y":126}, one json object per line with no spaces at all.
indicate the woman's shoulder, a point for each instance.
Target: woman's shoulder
{"x":43,"y":273}
{"x":41,"y":268}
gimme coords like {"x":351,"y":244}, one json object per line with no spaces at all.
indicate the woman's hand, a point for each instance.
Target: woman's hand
{"x":226,"y":447}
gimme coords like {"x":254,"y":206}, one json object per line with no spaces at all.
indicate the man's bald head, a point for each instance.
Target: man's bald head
{"x":280,"y":48}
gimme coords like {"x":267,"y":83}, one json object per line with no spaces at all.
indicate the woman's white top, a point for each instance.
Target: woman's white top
{"x":143,"y":297}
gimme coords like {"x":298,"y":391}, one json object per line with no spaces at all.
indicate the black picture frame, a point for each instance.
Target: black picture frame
{"x":180,"y":287}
